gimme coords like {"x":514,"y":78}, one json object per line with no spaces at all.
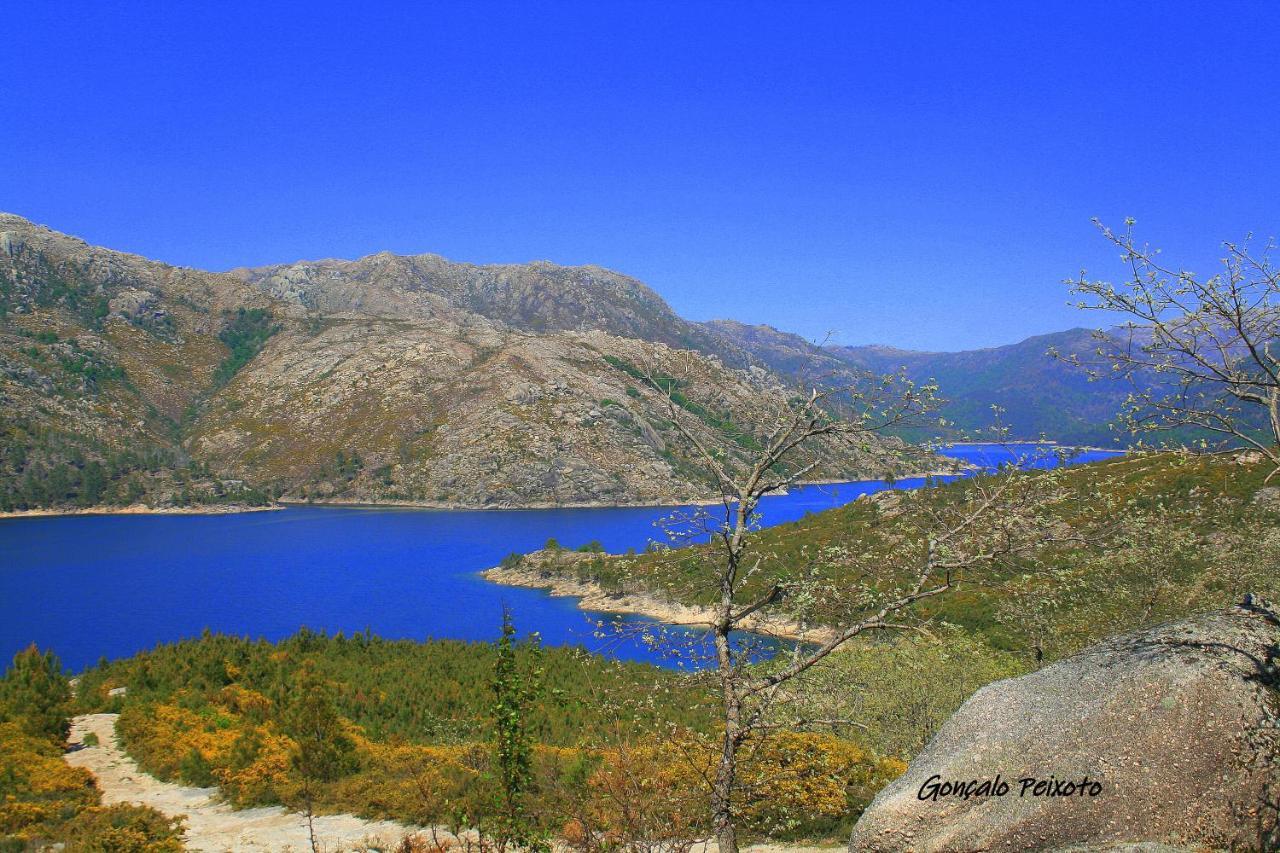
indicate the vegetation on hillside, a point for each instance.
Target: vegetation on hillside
{"x":42,"y":467}
{"x":1184,"y":532}
{"x":245,"y":334}
{"x":57,"y":448}
{"x":670,"y":387}
{"x":511,"y":739}
{"x":115,"y":353}
{"x":619,"y":750}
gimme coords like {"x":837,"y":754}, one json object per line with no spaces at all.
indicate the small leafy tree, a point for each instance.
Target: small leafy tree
{"x":1202,"y":352}
{"x":515,"y":688}
{"x":35,"y":693}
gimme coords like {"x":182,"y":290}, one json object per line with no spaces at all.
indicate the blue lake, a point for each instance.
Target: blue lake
{"x":93,"y":586}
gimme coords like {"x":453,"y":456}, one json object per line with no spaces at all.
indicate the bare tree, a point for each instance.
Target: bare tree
{"x":1201,"y":352}
{"x":989,"y":522}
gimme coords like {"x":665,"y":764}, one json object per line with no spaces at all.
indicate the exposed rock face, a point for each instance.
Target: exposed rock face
{"x":1165,"y":736}
{"x":385,"y":379}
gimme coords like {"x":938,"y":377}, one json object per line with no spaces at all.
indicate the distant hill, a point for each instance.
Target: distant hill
{"x":1039,"y":394}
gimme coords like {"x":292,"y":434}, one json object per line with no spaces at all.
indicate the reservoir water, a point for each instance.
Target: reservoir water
{"x":94,"y":586}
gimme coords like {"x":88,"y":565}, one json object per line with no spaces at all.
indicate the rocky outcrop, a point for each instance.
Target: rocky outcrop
{"x":1167,"y":736}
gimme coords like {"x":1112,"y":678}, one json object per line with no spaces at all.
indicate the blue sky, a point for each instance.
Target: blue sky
{"x":920,"y":175}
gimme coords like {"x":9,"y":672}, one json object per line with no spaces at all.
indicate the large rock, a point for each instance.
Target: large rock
{"x":1167,"y":736}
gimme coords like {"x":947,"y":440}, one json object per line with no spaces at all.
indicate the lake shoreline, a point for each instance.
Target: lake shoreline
{"x":402,"y":573}
{"x":141,"y":509}
{"x":231,"y":509}
{"x":1084,"y":448}
{"x":593,"y":597}
{"x":543,"y":505}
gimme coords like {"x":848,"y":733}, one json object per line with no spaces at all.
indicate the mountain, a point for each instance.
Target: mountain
{"x":538,"y":297}
{"x":781,"y":352}
{"x":102,"y":355}
{"x":1039,"y":394}
{"x":382,"y":379}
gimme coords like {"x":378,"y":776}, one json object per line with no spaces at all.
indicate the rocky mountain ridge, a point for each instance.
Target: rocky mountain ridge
{"x":388,"y":378}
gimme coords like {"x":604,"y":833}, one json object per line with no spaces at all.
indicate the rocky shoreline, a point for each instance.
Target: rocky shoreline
{"x":225,"y":509}
{"x":142,"y":509}
{"x":594,"y":597}
{"x":674,"y":503}
{"x":499,"y":505}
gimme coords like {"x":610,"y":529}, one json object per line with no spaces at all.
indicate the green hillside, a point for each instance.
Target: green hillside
{"x":1169,"y":533}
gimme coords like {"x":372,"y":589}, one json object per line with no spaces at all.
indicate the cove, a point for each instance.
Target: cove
{"x":110,"y":586}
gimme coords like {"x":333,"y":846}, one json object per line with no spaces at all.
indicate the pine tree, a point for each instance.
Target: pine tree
{"x":35,"y":693}
{"x":323,"y":752}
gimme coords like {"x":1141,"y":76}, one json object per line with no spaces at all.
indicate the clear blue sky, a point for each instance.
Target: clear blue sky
{"x":913,"y":174}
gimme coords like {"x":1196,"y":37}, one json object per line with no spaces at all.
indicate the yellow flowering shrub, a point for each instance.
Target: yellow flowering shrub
{"x":250,"y":703}
{"x":44,"y":799}
{"x":36,"y":786}
{"x":790,"y":784}
{"x":256,"y":768}
{"x":163,"y":737}
{"x":649,"y":792}
{"x":122,"y":829}
{"x":809,"y":781}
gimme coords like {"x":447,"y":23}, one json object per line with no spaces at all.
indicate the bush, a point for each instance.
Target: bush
{"x":196,"y":770}
{"x":122,"y":829}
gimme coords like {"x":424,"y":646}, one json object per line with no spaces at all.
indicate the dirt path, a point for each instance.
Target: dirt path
{"x":213,"y":827}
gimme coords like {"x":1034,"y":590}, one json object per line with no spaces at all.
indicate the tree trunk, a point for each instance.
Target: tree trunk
{"x":1274,"y":410}
{"x":727,"y":767}
{"x":311,"y":824}
{"x":726,"y":833}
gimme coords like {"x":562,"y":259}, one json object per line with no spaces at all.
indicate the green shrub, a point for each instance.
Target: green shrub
{"x":195,"y":770}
